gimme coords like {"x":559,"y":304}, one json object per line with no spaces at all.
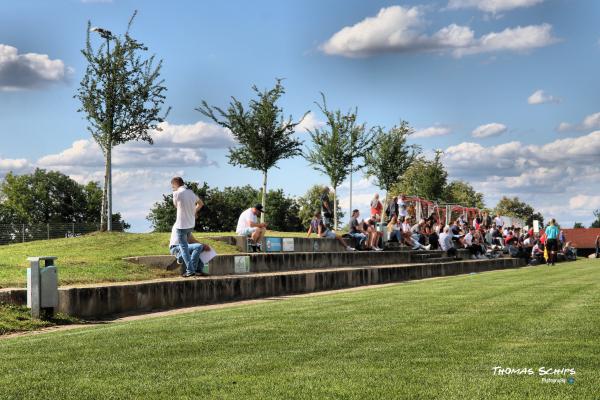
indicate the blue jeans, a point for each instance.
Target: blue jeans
{"x":194,"y":250}
{"x":182,"y":235}
{"x":360,"y":236}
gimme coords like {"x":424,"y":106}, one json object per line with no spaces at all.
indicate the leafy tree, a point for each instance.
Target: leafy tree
{"x":513,"y":207}
{"x":460,"y":192}
{"x":311,"y":202}
{"x":122,"y":96}
{"x":263,"y":135}
{"x":339,"y":148}
{"x":390,"y":156}
{"x":578,"y":225}
{"x":283,"y":212}
{"x":596,"y":223}
{"x":424,"y":178}
{"x":49,"y":197}
{"x":223,"y":208}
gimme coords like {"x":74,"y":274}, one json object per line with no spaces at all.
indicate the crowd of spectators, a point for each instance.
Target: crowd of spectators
{"x":483,"y":235}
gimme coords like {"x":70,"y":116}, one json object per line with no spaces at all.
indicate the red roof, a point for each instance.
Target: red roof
{"x":582,"y":238}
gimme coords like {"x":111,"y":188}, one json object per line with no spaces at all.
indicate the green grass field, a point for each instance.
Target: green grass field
{"x":92,"y":258}
{"x":431,"y":339}
{"x":97,"y":257}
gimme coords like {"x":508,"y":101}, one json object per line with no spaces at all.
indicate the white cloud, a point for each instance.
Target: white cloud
{"x":309,"y":123}
{"x":200,"y":134}
{"x":487,"y":130}
{"x":541,"y":97}
{"x":432,"y":131}
{"x":174,"y":146}
{"x":30,"y":70}
{"x":585,"y":202}
{"x":14,"y":165}
{"x":401,"y":29}
{"x":589,"y":123}
{"x":545,"y":175}
{"x":492,"y":6}
{"x":520,"y":39}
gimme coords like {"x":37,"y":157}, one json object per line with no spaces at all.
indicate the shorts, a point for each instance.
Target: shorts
{"x":329,"y":235}
{"x":552,"y":245}
{"x":248,"y":231}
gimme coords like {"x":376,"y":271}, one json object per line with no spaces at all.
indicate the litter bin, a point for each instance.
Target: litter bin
{"x":42,"y":286}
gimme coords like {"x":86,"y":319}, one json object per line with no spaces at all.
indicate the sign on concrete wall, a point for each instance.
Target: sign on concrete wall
{"x":273,"y":244}
{"x":288,"y":244}
{"x":241,"y":264}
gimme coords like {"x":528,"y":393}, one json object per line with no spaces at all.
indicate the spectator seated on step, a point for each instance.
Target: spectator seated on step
{"x":194,"y":249}
{"x":471,"y":243}
{"x":570,"y":252}
{"x":394,"y":229}
{"x":373,"y":235}
{"x":318,"y":226}
{"x":537,"y":254}
{"x":249,"y":226}
{"x":446,"y":242}
{"x":356,"y":229}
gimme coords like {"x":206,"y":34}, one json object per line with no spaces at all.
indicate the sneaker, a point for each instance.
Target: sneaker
{"x":427,"y":247}
{"x":188,"y":274}
{"x":416,"y":248}
{"x":350,"y":248}
{"x":473,"y":257}
{"x":482,"y":257}
{"x":377,"y":249}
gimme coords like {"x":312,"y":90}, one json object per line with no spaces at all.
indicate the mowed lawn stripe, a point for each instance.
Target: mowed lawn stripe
{"x":438,"y":339}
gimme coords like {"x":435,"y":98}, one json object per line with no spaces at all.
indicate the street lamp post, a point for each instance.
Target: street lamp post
{"x":106,"y":34}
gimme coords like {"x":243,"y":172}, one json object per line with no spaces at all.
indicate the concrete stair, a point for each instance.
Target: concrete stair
{"x":105,"y":300}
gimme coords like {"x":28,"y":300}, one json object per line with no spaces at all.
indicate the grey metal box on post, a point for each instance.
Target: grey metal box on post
{"x":42,"y":287}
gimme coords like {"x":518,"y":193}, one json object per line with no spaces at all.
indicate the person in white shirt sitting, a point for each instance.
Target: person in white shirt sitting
{"x":248,"y":225}
{"x":446,"y":242}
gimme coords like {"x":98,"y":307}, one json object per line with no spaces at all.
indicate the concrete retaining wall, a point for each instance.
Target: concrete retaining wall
{"x":103,"y":301}
{"x":301,"y":244}
{"x":273,"y":262}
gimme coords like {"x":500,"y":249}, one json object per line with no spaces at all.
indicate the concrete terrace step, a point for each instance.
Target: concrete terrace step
{"x":228,"y":264}
{"x":98,"y":301}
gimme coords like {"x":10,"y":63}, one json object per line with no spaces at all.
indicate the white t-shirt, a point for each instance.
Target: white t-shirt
{"x":468,"y":239}
{"x":185,"y":201}
{"x":244,"y":222}
{"x":402,"y":212}
{"x":174,"y":241}
{"x":499,"y":221}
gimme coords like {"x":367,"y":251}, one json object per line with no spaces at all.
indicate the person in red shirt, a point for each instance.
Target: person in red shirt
{"x":376,"y":206}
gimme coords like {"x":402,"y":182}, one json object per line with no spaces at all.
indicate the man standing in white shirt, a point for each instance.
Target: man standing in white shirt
{"x":499,"y":222}
{"x":248,"y":225}
{"x":188,"y":205}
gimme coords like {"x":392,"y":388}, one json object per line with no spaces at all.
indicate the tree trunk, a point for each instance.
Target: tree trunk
{"x":104,"y":198}
{"x":109,"y":193}
{"x":335,"y":218}
{"x":264,"y":196}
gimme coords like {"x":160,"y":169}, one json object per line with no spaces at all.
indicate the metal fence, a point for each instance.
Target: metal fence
{"x":21,"y":233}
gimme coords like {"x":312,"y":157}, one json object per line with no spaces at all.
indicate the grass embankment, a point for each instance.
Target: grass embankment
{"x":18,"y":319}
{"x":431,"y":339}
{"x":92,"y":258}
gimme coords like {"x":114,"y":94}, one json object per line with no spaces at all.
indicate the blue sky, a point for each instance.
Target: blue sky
{"x":464,"y":73}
